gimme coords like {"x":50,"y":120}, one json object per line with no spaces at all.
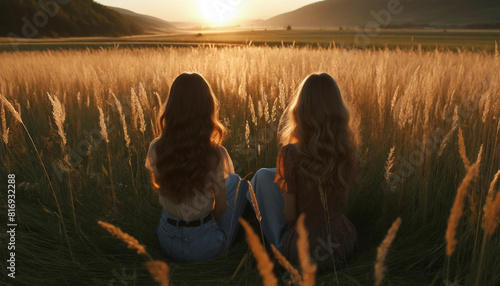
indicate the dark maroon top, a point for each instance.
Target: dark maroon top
{"x":344,"y":236}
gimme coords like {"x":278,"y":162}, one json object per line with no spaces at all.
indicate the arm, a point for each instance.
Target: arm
{"x":220,"y":199}
{"x":224,"y":169}
{"x":290,"y":211}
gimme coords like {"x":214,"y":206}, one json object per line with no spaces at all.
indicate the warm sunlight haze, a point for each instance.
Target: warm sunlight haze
{"x":219,"y":13}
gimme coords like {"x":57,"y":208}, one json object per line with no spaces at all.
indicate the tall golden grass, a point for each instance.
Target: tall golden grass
{"x":382,"y":251}
{"x":403,"y":98}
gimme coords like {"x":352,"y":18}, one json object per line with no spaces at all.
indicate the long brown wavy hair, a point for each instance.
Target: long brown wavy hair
{"x":318,"y":122}
{"x":188,"y":148}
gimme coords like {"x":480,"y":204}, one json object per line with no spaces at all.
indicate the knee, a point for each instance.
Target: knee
{"x":232,"y":179}
{"x":264,"y":175}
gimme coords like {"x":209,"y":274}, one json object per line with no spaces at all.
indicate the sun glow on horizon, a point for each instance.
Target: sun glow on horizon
{"x":219,"y":12}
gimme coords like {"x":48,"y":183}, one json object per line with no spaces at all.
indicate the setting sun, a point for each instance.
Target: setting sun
{"x":219,"y":12}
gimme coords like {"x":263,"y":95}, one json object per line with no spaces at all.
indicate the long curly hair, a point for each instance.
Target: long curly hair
{"x":318,"y":122}
{"x":188,"y":148}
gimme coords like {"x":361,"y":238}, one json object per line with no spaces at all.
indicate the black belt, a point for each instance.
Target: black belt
{"x":193,"y":223}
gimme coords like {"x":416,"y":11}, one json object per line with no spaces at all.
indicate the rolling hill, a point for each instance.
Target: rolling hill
{"x":82,"y":18}
{"x":149,"y":24}
{"x":416,"y":13}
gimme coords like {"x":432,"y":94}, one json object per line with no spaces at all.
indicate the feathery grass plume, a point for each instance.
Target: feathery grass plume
{"x":492,"y":217}
{"x":254,"y":202}
{"x":122,"y":119}
{"x":450,"y":133}
{"x":143,"y":96}
{"x":104,"y":131}
{"x":267,"y":116}
{"x":247,"y":134}
{"x":18,"y":105}
{"x":461,"y":149}
{"x":281,"y":96}
{"x":134,"y":113}
{"x":260,"y":109}
{"x":131,"y":242}
{"x":252,"y":111}
{"x":394,"y":99}
{"x":5,"y":129}
{"x":308,"y":268}
{"x":273,"y":111}
{"x":294,"y":273}
{"x":389,"y":164}
{"x":11,"y":108}
{"x":59,"y":115}
{"x":158,"y":98}
{"x":159,"y":270}
{"x":382,"y":251}
{"x":137,"y":112}
{"x":458,"y":208}
{"x":487,"y":106}
{"x":496,"y":49}
{"x":264,"y":264}
{"x":490,"y":220}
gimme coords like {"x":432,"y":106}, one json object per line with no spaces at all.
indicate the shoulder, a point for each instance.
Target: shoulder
{"x":151,"y":145}
{"x":151,"y":149}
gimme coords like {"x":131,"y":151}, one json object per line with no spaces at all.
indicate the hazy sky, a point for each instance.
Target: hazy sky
{"x":208,"y":11}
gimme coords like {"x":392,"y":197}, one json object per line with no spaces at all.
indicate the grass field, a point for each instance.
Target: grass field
{"x":405,"y":39}
{"x":414,"y":102}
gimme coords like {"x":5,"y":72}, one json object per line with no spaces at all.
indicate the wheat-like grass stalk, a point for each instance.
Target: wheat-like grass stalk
{"x":382,"y":251}
{"x":104,"y":134}
{"x":252,"y":111}
{"x":458,"y":207}
{"x":131,"y":242}
{"x":254,"y":202}
{"x":247,"y":134}
{"x":5,"y":129}
{"x":143,"y":96}
{"x":59,"y":115}
{"x":102,"y":124}
{"x":307,"y":267}
{"x":122,"y":120}
{"x":294,"y":273}
{"x":12,"y":110}
{"x":159,"y":270}
{"x":490,"y":209}
{"x":492,"y":218}
{"x":462,"y":150}
{"x":264,"y":264}
{"x":389,"y":164}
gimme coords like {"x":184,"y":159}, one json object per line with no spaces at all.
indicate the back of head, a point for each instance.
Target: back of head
{"x":318,"y":121}
{"x":191,"y":134}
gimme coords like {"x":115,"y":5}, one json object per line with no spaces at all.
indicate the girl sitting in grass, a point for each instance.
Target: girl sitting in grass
{"x":316,"y":166}
{"x":194,"y":175}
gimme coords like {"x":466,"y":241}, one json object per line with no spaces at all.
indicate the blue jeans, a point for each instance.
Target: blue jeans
{"x":271,"y":206}
{"x":190,"y":244}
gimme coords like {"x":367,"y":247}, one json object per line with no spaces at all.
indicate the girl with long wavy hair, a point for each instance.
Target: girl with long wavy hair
{"x":317,"y":164}
{"x":194,"y":175}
